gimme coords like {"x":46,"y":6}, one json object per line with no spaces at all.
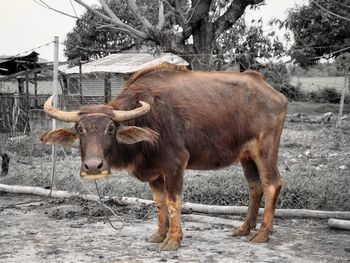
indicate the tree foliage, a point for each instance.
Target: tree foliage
{"x":249,"y":45}
{"x":320,"y":29}
{"x":187,"y":28}
{"x":90,"y":39}
{"x":239,"y":44}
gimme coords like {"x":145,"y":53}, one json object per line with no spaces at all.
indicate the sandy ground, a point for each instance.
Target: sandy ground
{"x":75,"y":231}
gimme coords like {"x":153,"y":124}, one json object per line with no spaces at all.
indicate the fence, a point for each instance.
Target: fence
{"x":74,"y":91}
{"x":314,"y":154}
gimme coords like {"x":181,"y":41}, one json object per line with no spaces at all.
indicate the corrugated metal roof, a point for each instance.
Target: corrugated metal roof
{"x":5,"y":58}
{"x":126,"y":63}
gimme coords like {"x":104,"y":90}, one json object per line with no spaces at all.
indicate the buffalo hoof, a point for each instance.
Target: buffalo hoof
{"x":170,"y":244}
{"x":241,"y":231}
{"x":260,"y":237}
{"x":156,"y":238}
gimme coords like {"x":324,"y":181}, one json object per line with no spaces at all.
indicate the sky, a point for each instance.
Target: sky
{"x":25,"y":25}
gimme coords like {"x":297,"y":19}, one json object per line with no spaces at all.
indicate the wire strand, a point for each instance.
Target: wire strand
{"x":30,"y":50}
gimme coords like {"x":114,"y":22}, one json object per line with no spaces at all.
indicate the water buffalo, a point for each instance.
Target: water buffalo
{"x":168,"y":119}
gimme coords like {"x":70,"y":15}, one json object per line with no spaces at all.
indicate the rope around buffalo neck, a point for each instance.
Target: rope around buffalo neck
{"x":98,"y":194}
{"x":104,"y":206}
{"x":110,"y":209}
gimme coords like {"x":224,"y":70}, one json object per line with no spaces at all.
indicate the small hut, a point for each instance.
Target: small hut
{"x":99,"y":80}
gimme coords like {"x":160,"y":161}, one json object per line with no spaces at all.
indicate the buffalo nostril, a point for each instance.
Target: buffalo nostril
{"x":86,"y":167}
{"x":100,"y":165}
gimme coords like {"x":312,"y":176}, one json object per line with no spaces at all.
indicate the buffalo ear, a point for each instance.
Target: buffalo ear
{"x":64,"y":137}
{"x":133,"y":134}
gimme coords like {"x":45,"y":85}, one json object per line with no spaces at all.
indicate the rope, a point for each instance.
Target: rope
{"x":110,"y":209}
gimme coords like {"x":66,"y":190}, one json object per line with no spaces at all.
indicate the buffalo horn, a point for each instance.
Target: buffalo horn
{"x":131,"y":114}
{"x":57,"y":114}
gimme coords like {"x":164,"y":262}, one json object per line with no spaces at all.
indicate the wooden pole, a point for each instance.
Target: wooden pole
{"x":36,"y":90}
{"x":80,"y":83}
{"x":341,"y":106}
{"x":107,"y":87}
{"x":55,"y":102}
{"x":348,"y":66}
{"x":27,"y":85}
{"x":20,"y":86}
{"x":26,"y":106}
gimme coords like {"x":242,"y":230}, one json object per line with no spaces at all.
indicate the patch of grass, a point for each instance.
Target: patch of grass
{"x":309,"y":84}
{"x":221,"y":188}
{"x":312,"y":108}
{"x":324,"y":192}
{"x":326,"y":95}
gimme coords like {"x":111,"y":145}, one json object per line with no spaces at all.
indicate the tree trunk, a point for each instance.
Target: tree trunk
{"x":203,"y":42}
{"x":203,"y":34}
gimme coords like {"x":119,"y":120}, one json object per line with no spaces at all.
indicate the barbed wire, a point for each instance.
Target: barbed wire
{"x":207,"y":54}
{"x":30,"y":50}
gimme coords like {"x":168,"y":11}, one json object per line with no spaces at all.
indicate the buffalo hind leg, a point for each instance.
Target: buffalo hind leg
{"x":255,"y":194}
{"x":266,"y":162}
{"x":158,"y":193}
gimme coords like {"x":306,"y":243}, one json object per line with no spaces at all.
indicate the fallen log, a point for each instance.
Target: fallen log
{"x":324,"y":118}
{"x":186,"y":208}
{"x":339,"y":224}
{"x":212,"y":220}
{"x":242,"y":210}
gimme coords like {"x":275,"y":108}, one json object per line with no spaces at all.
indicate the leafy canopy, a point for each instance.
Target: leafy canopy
{"x":317,"y":32}
{"x":92,"y":39}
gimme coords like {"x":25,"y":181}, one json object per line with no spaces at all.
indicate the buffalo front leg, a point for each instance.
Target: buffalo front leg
{"x":174,"y":235}
{"x":255,"y":194}
{"x":173,"y":187}
{"x":158,"y":193}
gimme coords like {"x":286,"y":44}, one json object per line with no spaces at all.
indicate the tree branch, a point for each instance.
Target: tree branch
{"x":200,"y":10}
{"x":178,"y":12}
{"x":232,"y":14}
{"x":109,"y":11}
{"x":330,"y":12}
{"x":136,"y":33}
{"x":45,"y":5}
{"x":135,"y":9}
{"x":161,"y":16}
{"x":112,"y":26}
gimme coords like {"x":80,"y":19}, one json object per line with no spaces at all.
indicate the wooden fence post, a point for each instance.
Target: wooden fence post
{"x":344,"y":60}
{"x":107,"y":87}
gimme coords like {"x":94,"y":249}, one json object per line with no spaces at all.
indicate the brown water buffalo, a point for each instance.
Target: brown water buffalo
{"x":168,"y":119}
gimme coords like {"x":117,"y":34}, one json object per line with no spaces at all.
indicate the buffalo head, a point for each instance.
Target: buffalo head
{"x":99,"y":130}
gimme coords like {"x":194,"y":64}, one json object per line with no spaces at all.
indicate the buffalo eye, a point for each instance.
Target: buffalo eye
{"x":111,"y":128}
{"x":79,"y":129}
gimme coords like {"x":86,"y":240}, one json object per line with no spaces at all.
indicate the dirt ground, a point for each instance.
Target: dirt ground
{"x":76,"y":231}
